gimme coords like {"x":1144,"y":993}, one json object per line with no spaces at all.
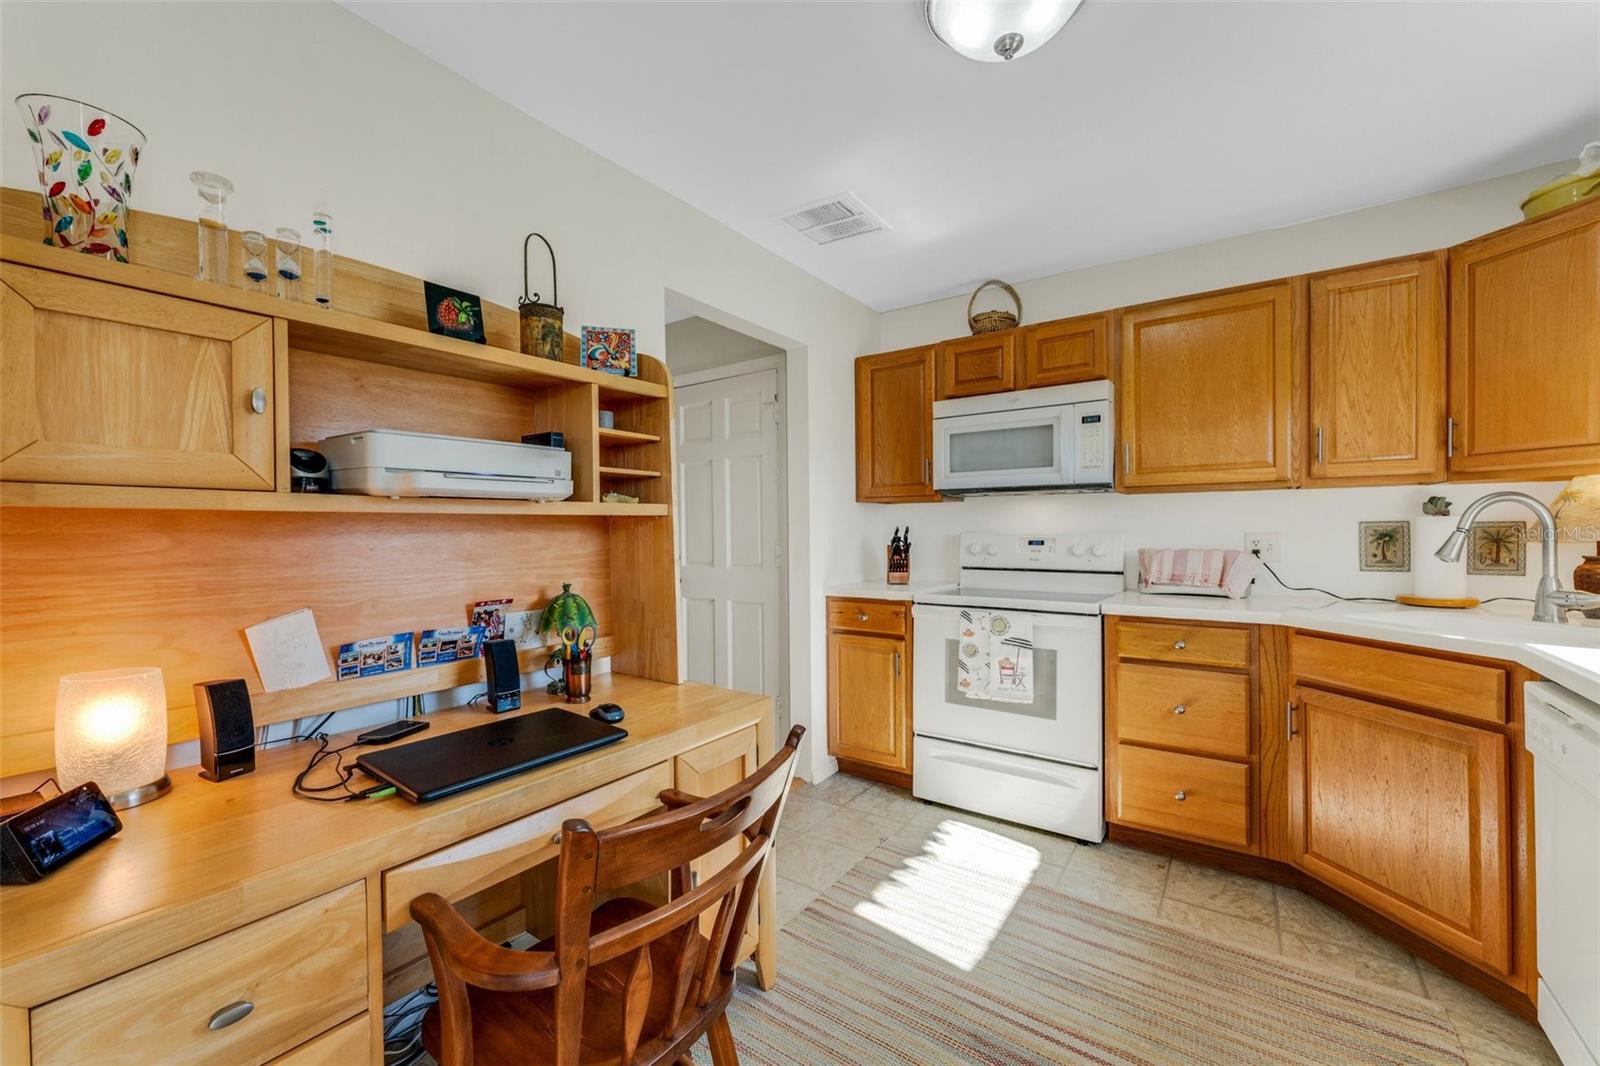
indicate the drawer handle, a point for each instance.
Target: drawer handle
{"x":233,"y":1012}
{"x":258,"y":401}
{"x":1179,"y":796}
{"x":1180,"y":709}
{"x":1179,"y":645}
{"x":861,"y":618}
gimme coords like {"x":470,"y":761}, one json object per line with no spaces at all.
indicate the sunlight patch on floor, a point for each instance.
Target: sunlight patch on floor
{"x":952,"y":900}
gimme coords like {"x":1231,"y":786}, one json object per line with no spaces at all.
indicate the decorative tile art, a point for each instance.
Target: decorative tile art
{"x":1386,"y":546}
{"x":1499,"y":548}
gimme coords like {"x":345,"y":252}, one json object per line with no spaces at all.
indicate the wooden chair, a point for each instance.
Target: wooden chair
{"x":628,"y":982}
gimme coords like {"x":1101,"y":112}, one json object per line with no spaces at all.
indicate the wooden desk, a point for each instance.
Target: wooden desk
{"x":218,"y":894}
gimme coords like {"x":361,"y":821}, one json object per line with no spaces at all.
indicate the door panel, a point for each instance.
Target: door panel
{"x":1062,"y":352}
{"x":976,"y":366}
{"x":867,"y":704}
{"x":1407,"y":814}
{"x":105,"y":385}
{"x":1377,"y":372}
{"x":1525,"y":349}
{"x":894,"y":426}
{"x":1205,"y":389}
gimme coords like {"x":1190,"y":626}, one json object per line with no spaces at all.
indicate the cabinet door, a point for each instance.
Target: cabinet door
{"x":1407,"y":814}
{"x":1205,"y":389}
{"x":1525,"y":349}
{"x":1062,"y":352}
{"x":868,"y":697}
{"x":1377,"y":372}
{"x":894,"y":426}
{"x":105,"y":385}
{"x":974,"y":366}
{"x":706,"y":770}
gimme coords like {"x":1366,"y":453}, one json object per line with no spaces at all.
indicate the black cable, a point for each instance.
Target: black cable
{"x":310,"y":734}
{"x":345,"y":773}
{"x":1313,"y":588}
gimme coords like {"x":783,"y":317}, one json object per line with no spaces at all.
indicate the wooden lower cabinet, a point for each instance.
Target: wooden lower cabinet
{"x":869,"y":688}
{"x":1406,"y":813}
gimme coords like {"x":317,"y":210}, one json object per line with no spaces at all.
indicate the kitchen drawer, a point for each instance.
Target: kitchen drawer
{"x":869,"y":616}
{"x":1471,"y":690}
{"x":1184,"y":642}
{"x":302,"y":971}
{"x":349,"y":1044}
{"x":478,"y":862}
{"x":1199,"y":710}
{"x":1208,"y":799}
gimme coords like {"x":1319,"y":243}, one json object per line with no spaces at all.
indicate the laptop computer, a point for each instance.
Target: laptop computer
{"x":455,"y":762}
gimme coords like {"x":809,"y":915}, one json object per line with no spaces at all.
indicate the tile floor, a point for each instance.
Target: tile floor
{"x":828,"y":828}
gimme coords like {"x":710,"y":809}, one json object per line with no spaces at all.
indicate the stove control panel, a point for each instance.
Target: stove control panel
{"x":1098,"y":552}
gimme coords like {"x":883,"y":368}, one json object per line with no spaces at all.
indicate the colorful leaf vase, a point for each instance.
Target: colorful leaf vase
{"x":84,"y":207}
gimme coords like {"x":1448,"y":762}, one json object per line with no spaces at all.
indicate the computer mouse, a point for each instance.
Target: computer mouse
{"x":607,"y":712}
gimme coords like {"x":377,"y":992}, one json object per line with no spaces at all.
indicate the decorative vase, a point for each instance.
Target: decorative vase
{"x":86,"y":158}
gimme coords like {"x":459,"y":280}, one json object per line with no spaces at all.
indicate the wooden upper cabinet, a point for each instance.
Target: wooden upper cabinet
{"x":973,"y":366}
{"x":1065,"y":351}
{"x":1376,"y":384}
{"x":1407,"y":814}
{"x":894,"y":426}
{"x":106,"y":385}
{"x":1205,"y":389}
{"x":1525,"y":349}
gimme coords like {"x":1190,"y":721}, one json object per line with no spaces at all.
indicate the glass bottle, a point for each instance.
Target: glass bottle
{"x":288,"y":263}
{"x":214,"y":190}
{"x":322,"y":258}
{"x":255,"y":260}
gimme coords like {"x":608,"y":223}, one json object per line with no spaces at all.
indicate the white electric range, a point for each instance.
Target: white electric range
{"x":1006,"y":680}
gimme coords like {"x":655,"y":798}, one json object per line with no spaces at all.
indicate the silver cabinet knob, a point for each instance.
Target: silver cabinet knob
{"x":1180,"y":709}
{"x":1179,"y":645}
{"x":1179,"y":796}
{"x":233,"y":1012}
{"x":258,"y":401}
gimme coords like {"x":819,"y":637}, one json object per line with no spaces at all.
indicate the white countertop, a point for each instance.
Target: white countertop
{"x":882,"y":590}
{"x":1568,"y":654}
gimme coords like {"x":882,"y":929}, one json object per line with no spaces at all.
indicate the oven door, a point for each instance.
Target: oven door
{"x":1063,"y":721}
{"x":1003,"y":450}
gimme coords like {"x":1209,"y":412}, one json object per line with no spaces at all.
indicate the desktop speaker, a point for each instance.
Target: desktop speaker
{"x":502,"y":675}
{"x":227,"y":729}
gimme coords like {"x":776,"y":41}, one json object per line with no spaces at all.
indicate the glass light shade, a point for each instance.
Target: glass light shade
{"x":111,"y":728}
{"x":994,"y":31}
{"x":1577,"y":509}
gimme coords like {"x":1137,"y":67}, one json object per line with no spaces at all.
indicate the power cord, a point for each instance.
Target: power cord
{"x":344,"y":773}
{"x":1358,"y":599}
{"x":402,"y":1026}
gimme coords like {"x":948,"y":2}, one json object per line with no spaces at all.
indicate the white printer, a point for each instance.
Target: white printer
{"x":390,"y":462}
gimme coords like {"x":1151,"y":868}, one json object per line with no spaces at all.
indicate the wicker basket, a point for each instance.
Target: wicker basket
{"x":993,"y":321}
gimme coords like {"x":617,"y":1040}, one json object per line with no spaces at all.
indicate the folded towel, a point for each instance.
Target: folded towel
{"x":995,"y":656}
{"x":1230,"y":571}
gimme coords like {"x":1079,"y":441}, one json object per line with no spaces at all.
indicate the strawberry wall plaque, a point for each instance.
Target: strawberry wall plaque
{"x":453,"y":313}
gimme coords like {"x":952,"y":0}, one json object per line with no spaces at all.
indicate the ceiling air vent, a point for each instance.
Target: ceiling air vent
{"x":833,"y":219}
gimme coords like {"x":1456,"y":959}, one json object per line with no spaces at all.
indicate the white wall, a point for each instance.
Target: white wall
{"x":695,"y":343}
{"x":306,"y":106}
{"x":1319,"y":526}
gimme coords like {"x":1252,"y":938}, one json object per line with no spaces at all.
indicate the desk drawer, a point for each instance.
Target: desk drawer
{"x":1184,"y":642}
{"x":869,"y":616}
{"x":489,"y":858}
{"x":348,"y":1045}
{"x":1215,"y":795}
{"x":302,"y":971}
{"x":1198,"y":710}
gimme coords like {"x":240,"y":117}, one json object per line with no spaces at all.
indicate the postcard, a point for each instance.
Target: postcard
{"x":448,"y":645}
{"x":375,"y":655}
{"x":491,"y":615}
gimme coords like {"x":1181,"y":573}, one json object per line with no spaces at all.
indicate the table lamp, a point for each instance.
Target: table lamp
{"x":111,"y":728}
{"x":1577,"y":511}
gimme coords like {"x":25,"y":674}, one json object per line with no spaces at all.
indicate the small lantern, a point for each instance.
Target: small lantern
{"x":541,"y":330}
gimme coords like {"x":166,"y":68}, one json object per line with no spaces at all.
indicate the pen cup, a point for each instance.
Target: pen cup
{"x":575,"y":670}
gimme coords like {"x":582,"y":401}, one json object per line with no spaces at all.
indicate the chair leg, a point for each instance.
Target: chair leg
{"x":720,"y":1037}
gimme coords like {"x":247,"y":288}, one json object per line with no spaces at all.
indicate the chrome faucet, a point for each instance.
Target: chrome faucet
{"x":1551,"y":603}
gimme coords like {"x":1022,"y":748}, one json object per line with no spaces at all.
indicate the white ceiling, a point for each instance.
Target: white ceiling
{"x":1142,"y":127}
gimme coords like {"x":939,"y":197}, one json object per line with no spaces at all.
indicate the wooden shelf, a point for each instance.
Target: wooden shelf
{"x":627,"y":472}
{"x":627,"y":436}
{"x":30,"y":494}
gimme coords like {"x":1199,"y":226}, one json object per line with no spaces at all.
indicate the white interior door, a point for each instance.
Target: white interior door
{"x":729,"y":491}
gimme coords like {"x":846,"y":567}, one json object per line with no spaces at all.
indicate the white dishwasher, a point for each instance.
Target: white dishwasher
{"x":1563,"y":733}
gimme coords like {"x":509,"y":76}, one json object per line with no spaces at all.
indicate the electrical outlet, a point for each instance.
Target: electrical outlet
{"x":1267,"y":544}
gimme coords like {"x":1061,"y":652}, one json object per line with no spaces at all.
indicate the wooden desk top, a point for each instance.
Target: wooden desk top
{"x":209,"y":857}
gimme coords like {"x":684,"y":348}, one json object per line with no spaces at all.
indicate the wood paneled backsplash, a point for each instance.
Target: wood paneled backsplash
{"x":90,"y":590}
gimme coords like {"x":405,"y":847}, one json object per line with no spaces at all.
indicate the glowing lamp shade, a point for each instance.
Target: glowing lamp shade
{"x":111,"y":728}
{"x":995,"y":31}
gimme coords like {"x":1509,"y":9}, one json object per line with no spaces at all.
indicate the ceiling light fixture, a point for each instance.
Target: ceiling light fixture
{"x":993,"y":31}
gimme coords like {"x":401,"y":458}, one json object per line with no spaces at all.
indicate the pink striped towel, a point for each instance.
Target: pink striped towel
{"x":1230,"y":571}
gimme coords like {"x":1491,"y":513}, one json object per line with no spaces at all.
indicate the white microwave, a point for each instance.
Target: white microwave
{"x":1055,"y":439}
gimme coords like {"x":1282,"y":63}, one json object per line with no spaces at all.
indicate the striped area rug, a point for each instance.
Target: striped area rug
{"x":949,"y":955}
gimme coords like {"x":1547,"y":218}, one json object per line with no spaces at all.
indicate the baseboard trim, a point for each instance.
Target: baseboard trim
{"x":898,"y":778}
